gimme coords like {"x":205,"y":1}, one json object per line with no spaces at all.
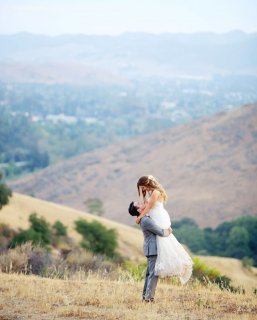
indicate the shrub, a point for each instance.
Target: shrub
{"x":38,"y":233}
{"x":25,"y":236}
{"x":42,"y":227}
{"x":14,"y":261}
{"x":6,"y":235}
{"x":26,"y":259}
{"x":95,"y":206}
{"x":100,"y":264}
{"x":5,"y":193}
{"x":206,"y":274}
{"x":59,"y":237}
{"x":59,"y":229}
{"x":79,"y":259}
{"x":247,"y":263}
{"x":203,"y":272}
{"x":97,"y":238}
{"x":136,"y":270}
{"x":39,"y":260}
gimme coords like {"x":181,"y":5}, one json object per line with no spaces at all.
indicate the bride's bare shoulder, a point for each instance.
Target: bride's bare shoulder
{"x":156,"y":192}
{"x":157,"y":195}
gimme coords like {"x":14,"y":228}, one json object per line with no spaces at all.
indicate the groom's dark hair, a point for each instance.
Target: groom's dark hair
{"x":132,"y":209}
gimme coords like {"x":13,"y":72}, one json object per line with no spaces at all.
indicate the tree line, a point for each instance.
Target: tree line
{"x":20,"y":151}
{"x":236,"y":238}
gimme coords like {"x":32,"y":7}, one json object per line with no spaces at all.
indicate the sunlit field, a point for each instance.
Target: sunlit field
{"x":89,"y":296}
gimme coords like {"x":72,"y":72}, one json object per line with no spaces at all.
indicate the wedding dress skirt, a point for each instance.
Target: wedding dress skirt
{"x":172,"y":259}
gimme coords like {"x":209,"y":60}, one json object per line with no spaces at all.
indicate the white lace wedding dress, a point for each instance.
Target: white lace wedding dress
{"x":172,"y":260}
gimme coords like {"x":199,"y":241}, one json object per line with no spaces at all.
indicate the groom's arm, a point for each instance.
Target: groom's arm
{"x":151,"y":226}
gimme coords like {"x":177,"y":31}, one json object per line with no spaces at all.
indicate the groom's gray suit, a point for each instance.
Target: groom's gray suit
{"x":150,"y":230}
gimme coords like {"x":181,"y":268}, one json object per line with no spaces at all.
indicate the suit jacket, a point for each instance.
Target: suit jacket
{"x":150,"y":230}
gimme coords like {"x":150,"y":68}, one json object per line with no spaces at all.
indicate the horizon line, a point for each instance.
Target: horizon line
{"x":129,"y":32}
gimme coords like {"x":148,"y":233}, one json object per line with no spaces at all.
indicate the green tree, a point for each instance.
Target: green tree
{"x":250,"y":223}
{"x":26,"y":236}
{"x":38,"y":233}
{"x":97,"y":238}
{"x":41,"y":226}
{"x":236,"y":238}
{"x":191,"y":235}
{"x":5,"y":193}
{"x":59,"y":229}
{"x":95,"y":206}
{"x":238,"y":243}
{"x":211,"y":241}
{"x":184,"y":222}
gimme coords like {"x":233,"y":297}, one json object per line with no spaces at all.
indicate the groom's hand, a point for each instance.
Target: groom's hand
{"x":138,"y":220}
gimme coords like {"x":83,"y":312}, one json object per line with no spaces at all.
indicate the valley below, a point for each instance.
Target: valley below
{"x":208,"y":168}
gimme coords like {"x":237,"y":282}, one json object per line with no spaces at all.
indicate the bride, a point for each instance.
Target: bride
{"x":172,"y":259}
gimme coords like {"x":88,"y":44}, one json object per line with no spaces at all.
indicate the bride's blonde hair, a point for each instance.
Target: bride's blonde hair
{"x":151,"y":183}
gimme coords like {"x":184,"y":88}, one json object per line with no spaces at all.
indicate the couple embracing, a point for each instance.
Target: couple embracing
{"x":165,"y":255}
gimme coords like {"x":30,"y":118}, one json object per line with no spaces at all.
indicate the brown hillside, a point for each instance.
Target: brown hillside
{"x":76,"y":73}
{"x":209,"y":169}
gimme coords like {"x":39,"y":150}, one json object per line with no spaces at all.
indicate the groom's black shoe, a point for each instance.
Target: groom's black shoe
{"x":148,"y":300}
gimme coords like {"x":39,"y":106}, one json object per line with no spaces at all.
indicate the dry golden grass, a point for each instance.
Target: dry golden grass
{"x":234,"y":269}
{"x":130,"y":239}
{"x":16,"y":214}
{"x":93,"y":297}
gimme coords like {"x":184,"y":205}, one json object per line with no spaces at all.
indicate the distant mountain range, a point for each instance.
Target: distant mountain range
{"x":209,"y":169}
{"x":128,"y":56}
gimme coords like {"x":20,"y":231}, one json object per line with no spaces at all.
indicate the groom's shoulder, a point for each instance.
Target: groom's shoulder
{"x":145,"y":221}
{"x":145,"y":218}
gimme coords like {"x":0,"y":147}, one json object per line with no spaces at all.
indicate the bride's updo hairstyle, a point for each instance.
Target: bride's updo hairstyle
{"x":152,"y":184}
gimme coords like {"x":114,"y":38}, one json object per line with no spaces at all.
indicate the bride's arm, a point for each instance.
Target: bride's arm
{"x":154,"y":197}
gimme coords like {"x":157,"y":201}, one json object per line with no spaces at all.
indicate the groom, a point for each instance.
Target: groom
{"x":150,"y":230}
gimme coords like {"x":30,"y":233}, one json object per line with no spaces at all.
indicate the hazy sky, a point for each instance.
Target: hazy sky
{"x":117,"y":16}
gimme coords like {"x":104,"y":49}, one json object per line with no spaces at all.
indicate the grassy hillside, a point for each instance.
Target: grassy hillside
{"x":130,"y":239}
{"x":233,"y":269}
{"x":97,"y":298}
{"x":208,"y":168}
{"x":16,"y":214}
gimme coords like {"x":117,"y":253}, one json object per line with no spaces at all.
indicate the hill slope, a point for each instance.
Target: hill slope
{"x":233,"y":269}
{"x":209,"y":169}
{"x":16,"y":214}
{"x":53,"y":73}
{"x":132,"y":55}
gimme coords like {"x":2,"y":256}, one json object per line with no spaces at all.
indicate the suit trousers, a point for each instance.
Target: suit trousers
{"x":150,"y":278}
